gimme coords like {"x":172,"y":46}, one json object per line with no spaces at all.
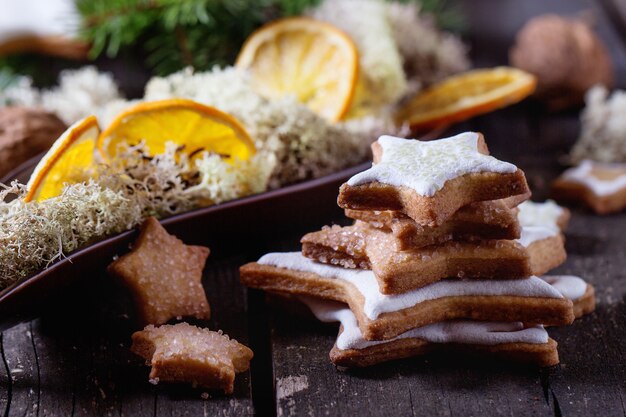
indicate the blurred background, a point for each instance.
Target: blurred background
{"x":76,"y":58}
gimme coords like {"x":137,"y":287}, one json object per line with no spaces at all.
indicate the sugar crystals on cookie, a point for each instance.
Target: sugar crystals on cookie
{"x":365,"y":247}
{"x":164,"y":276}
{"x":185,"y":353}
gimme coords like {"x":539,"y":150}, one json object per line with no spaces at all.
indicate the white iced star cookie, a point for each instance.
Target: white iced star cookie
{"x":600,"y":186}
{"x":352,"y":349}
{"x":426,"y":166}
{"x":547,"y":214}
{"x":381,"y":316}
{"x":509,"y":341}
{"x":429,"y":181}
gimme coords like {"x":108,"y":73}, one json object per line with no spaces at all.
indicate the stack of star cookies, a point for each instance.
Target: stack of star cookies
{"x":437,"y":259}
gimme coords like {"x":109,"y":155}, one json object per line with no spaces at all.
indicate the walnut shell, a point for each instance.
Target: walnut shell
{"x":565,"y":55}
{"x":25,"y":132}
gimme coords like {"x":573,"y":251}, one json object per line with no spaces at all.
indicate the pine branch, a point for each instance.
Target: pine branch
{"x":448,"y":14}
{"x":173,"y":34}
{"x":7,"y":78}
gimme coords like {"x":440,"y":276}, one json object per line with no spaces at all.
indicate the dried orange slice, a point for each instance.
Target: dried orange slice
{"x":184,"y":122}
{"x":311,"y":60}
{"x":466,"y":95}
{"x":65,"y":162}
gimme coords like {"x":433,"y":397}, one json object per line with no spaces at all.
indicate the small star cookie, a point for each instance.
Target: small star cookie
{"x":185,"y":353}
{"x":429,"y":181}
{"x":600,"y":186}
{"x":164,"y":276}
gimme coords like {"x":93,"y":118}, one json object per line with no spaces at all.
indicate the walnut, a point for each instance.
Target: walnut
{"x":25,"y":132}
{"x":565,"y":55}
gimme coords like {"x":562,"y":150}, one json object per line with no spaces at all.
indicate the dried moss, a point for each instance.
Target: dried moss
{"x":34,"y":235}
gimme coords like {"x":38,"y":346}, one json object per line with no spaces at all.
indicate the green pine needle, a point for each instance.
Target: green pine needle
{"x":7,"y":78}
{"x":173,"y":34}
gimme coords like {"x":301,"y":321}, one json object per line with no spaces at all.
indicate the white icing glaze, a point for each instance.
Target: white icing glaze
{"x":453,"y":331}
{"x":426,"y":166}
{"x":377,"y":303}
{"x":531,"y":234}
{"x":544,"y":214}
{"x":570,"y":286}
{"x":583,"y":175}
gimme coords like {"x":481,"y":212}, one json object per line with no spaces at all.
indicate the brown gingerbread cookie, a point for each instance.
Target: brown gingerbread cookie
{"x":430,"y":181}
{"x":599,"y":186}
{"x":163,"y":275}
{"x":383,"y":316}
{"x":185,"y":353}
{"x":538,"y":250}
{"x":487,"y":220}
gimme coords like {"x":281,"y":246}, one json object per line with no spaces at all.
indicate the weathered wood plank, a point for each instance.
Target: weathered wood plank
{"x":592,"y":381}
{"x":56,"y":372}
{"x":308,"y":384}
{"x":6,"y":383}
{"x":23,"y":367}
{"x":86,"y":368}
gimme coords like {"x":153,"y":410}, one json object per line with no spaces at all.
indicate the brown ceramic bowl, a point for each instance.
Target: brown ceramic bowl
{"x":237,"y":224}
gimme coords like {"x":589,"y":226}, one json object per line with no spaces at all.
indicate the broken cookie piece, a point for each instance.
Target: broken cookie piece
{"x":164,"y":276}
{"x":185,"y":353}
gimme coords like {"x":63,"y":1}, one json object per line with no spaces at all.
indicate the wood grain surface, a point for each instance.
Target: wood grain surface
{"x":75,"y":360}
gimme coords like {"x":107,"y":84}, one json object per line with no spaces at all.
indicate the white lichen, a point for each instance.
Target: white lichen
{"x":602,"y":136}
{"x":33,"y":235}
{"x":429,"y":55}
{"x":80,"y":93}
{"x":116,"y":198}
{"x":367,"y":23}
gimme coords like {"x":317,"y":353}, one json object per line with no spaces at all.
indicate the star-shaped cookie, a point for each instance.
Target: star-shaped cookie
{"x":547,"y":214}
{"x":382,"y":316}
{"x":163,"y":275}
{"x":429,"y":181}
{"x":510,"y":341}
{"x":397,"y":271}
{"x":185,"y":353}
{"x":600,"y":186}
{"x":483,"y":220}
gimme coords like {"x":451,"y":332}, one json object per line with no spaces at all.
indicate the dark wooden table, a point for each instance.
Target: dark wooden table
{"x":75,"y":360}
